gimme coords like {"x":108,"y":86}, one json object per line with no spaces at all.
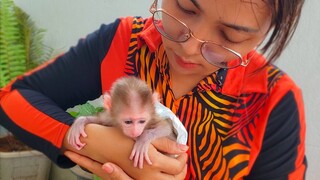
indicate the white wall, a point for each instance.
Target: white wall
{"x":68,"y":20}
{"x":301,"y":61}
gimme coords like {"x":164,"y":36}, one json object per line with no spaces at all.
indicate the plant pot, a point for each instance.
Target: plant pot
{"x":24,"y":165}
{"x":81,"y":174}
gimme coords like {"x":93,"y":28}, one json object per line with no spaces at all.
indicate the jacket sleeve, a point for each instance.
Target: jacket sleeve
{"x":33,"y":106}
{"x":282,"y":155}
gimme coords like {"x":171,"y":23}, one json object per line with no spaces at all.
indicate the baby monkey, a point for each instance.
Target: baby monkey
{"x":131,"y":107}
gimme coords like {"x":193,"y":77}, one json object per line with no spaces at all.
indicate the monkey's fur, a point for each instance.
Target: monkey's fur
{"x":128,"y":97}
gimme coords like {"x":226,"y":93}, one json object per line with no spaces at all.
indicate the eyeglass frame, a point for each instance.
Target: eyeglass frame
{"x":153,"y":9}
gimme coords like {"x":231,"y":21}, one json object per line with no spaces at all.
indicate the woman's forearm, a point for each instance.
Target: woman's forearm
{"x":108,"y":144}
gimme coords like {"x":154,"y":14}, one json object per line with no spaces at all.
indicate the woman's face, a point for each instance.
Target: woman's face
{"x":236,"y":24}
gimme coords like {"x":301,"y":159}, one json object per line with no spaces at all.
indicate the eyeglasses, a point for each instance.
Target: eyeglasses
{"x":175,"y":30}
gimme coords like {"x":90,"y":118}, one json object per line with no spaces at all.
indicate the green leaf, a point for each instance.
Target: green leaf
{"x":87,"y":109}
{"x":21,"y":42}
{"x":99,"y":109}
{"x":74,"y":114}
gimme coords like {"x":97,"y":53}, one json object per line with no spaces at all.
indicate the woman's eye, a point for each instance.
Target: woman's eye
{"x":185,"y":10}
{"x":230,"y":40}
{"x":188,"y":11}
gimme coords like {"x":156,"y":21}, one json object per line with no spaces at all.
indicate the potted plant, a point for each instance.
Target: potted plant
{"x":21,"y":49}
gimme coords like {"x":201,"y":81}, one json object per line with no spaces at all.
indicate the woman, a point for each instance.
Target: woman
{"x":244,"y":116}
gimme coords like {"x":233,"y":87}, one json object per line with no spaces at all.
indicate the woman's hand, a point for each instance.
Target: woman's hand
{"x":106,"y":171}
{"x":108,"y":144}
{"x":110,"y":171}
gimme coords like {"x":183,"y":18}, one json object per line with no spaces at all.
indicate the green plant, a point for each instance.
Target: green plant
{"x":21,"y":49}
{"x":85,"y":110}
{"x":21,"y":42}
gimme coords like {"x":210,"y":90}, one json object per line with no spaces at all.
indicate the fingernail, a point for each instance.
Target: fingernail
{"x":183,"y":147}
{"x":108,"y":168}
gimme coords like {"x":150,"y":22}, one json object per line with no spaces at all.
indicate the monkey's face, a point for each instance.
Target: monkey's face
{"x":133,"y":127}
{"x":133,"y":121}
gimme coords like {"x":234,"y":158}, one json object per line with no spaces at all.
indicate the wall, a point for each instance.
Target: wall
{"x":67,"y":20}
{"x":300,"y":61}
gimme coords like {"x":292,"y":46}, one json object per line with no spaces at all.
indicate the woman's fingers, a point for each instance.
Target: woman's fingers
{"x":175,"y":158}
{"x":183,"y":174}
{"x":180,"y":176}
{"x":85,"y":162}
{"x":107,"y":171}
{"x":170,"y":165}
{"x":115,"y":172}
{"x":169,"y":146}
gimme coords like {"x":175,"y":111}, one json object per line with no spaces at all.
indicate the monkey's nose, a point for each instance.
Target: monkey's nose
{"x":135,"y":133}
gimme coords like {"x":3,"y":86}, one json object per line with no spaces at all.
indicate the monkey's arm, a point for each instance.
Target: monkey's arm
{"x":77,"y":130}
{"x":141,"y":146}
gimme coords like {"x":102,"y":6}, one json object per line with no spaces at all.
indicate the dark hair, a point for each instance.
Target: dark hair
{"x":285,"y":17}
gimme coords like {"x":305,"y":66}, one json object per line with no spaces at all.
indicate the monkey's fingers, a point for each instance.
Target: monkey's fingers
{"x":79,"y":147}
{"x":75,"y":145}
{"x":83,"y":133}
{"x":133,"y":152}
{"x":136,"y":159}
{"x":72,"y":140}
{"x":134,"y":156}
{"x":146,"y":157}
{"x":141,"y":159}
{"x":79,"y":144}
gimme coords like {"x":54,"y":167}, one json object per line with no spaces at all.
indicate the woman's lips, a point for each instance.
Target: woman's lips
{"x":184,"y":63}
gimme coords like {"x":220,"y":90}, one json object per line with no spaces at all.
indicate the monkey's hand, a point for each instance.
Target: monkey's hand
{"x":77,"y":130}
{"x":139,"y":152}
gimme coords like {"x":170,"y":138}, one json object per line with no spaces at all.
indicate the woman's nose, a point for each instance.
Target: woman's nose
{"x":192,"y":46}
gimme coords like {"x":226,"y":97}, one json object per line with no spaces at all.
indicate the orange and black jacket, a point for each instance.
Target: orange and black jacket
{"x":242,"y":123}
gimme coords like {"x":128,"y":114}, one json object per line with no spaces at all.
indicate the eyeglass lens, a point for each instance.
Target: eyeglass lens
{"x":174,"y":30}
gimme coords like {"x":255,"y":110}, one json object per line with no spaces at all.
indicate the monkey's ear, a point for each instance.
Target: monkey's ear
{"x":155,"y":97}
{"x":106,"y":101}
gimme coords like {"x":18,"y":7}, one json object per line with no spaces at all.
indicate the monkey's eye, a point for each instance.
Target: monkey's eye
{"x":128,"y":122}
{"x":142,"y":121}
